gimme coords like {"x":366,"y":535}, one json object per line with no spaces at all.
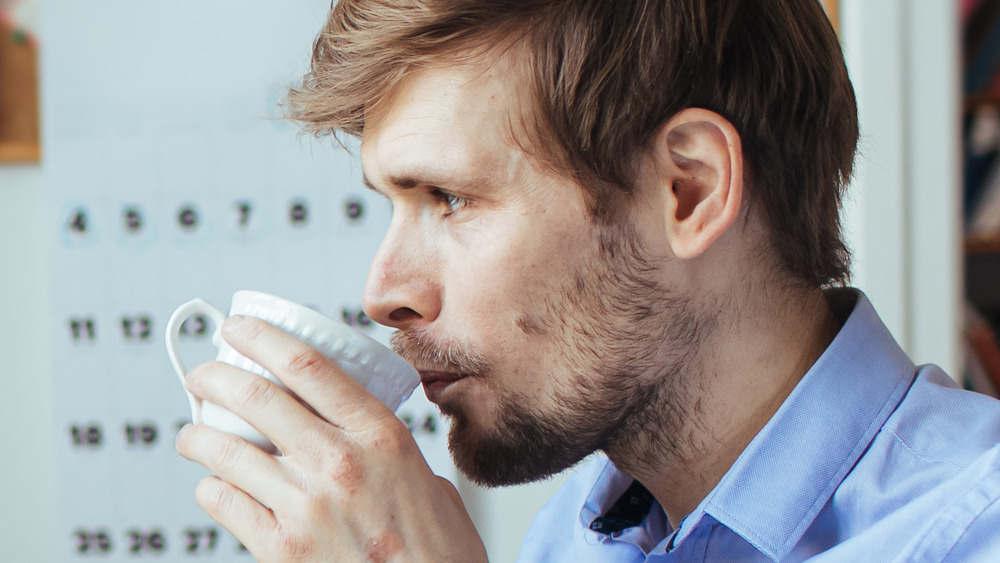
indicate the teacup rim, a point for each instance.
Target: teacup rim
{"x":303,"y":310}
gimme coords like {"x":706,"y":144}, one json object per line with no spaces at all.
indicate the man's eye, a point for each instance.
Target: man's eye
{"x":453,"y":201}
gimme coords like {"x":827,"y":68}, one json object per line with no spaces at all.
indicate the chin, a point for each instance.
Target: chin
{"x":514,"y":447}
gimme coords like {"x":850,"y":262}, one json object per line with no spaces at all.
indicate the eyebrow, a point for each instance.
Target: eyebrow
{"x":409,"y":182}
{"x":399,"y":183}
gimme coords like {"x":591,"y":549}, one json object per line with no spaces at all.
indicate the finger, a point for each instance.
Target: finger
{"x":260,"y":402}
{"x":308,"y":373}
{"x":237,"y":461}
{"x":250,"y":522}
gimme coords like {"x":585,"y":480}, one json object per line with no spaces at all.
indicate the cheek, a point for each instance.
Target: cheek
{"x":508,"y":283}
{"x":514,"y":295}
{"x":492,"y":273}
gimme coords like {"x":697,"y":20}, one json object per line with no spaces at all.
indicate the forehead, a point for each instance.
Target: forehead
{"x":443,"y":120}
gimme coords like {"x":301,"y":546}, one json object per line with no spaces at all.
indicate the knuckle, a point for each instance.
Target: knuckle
{"x":307,"y":362}
{"x":198,"y":372}
{"x":198,"y":378}
{"x":319,"y":505}
{"x":449,"y":487}
{"x":293,"y":547}
{"x":256,"y":393}
{"x":451,"y":490}
{"x":248,"y":330}
{"x":230,"y":451}
{"x":344,"y":467}
{"x":391,"y":438}
{"x":394,"y":440}
{"x":214,"y":496}
{"x":382,"y":547}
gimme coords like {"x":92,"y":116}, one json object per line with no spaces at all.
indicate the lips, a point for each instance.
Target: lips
{"x":435,"y":382}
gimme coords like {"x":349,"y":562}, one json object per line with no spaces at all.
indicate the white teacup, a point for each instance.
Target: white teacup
{"x":384,"y":374}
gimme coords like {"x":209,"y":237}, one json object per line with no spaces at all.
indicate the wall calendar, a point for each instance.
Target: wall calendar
{"x":171,"y":176}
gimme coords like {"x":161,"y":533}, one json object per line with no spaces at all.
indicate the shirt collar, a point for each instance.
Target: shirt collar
{"x":791,"y":468}
{"x":610,"y":485}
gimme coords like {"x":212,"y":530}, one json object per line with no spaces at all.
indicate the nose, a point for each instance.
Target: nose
{"x":402,"y":290}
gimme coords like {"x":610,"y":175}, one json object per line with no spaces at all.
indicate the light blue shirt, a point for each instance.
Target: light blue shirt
{"x":868,"y":459}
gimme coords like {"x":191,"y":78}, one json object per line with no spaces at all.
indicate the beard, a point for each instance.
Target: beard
{"x":623,"y":344}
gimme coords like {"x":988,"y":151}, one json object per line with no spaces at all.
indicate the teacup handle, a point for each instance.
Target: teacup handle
{"x":183,"y":313}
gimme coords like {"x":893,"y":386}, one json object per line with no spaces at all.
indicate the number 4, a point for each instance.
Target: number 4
{"x":78,"y":223}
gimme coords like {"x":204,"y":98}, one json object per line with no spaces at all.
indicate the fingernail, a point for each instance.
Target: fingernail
{"x":232,"y":323}
{"x":181,"y":433}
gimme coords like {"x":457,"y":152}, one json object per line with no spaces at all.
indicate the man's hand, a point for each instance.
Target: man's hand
{"x":351,"y":484}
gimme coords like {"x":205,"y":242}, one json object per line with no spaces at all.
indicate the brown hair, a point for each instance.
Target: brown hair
{"x":605,"y":74}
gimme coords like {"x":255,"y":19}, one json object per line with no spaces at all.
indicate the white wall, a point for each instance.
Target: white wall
{"x":27,"y":499}
{"x":903,"y":217}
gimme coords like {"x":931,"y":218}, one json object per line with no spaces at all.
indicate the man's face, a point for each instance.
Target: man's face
{"x":537,"y":331}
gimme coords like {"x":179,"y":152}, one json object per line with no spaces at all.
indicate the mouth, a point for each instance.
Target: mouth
{"x":435,"y":383}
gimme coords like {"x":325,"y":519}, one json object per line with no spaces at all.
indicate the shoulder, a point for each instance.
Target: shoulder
{"x":964,"y":526}
{"x":941,"y":424}
{"x":929,"y":484}
{"x":951,"y":438}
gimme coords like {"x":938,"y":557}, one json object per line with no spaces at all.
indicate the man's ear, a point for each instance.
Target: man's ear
{"x":698,"y":160}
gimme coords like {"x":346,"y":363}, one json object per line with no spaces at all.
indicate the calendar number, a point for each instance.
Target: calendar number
{"x":138,"y":328}
{"x":83,"y":329}
{"x":187,"y":218}
{"x":195,"y":326}
{"x":200,"y":540}
{"x":354,"y":209}
{"x":143,"y":434}
{"x":298,"y":213}
{"x":87,"y":436}
{"x":356,"y":318}
{"x":78,"y":222}
{"x":132,"y":219}
{"x":93,"y":541}
{"x":427,"y":425}
{"x":243,"y":210}
{"x":140,"y":541}
{"x":194,"y":541}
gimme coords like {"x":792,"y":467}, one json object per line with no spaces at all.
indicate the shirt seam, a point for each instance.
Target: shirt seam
{"x":922,"y":457}
{"x":967,"y":528}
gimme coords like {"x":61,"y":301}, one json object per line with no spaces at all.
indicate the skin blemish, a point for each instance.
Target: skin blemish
{"x":345,"y":469}
{"x":382,"y":548}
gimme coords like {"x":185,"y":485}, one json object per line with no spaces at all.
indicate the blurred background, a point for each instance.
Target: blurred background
{"x":142,"y":163}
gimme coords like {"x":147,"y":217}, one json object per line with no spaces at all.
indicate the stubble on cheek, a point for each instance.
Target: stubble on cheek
{"x":530,"y":326}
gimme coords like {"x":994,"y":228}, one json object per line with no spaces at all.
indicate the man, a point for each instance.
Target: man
{"x":615,"y":229}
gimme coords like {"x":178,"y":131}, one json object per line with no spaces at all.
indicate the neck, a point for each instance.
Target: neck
{"x":748,"y":367}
